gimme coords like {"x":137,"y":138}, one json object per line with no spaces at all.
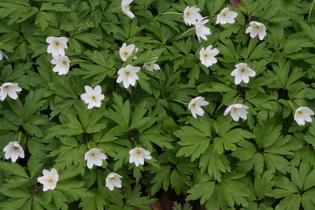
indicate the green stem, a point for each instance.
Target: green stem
{"x":19,"y":137}
{"x":112,"y":9}
{"x":170,"y":13}
{"x":180,"y":102}
{"x":291,"y":105}
{"x":236,"y":99}
{"x":309,"y":14}
{"x":184,"y":34}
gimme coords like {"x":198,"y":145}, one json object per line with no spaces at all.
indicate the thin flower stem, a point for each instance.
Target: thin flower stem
{"x":36,"y":190}
{"x":110,"y":10}
{"x":310,"y":12}
{"x":184,"y":34}
{"x":171,"y":13}
{"x":291,"y":105}
{"x":19,"y":137}
{"x":180,"y":102}
{"x":236,"y":98}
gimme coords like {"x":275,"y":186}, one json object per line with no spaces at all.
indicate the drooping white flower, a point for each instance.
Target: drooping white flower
{"x":94,"y":157}
{"x":49,"y":180}
{"x":195,"y":106}
{"x":137,"y":156}
{"x":128,"y":75}
{"x":13,"y":150}
{"x":242,"y":73}
{"x":191,"y":15}
{"x":62,"y":64}
{"x":125,"y":6}
{"x":113,"y":180}
{"x":237,"y":111}
{"x":2,"y":54}
{"x":57,"y":45}
{"x":201,"y":30}
{"x":92,"y":96}
{"x":10,"y":89}
{"x":226,"y":16}
{"x":303,"y":114}
{"x":207,"y":56}
{"x":126,"y":50}
{"x":256,"y":28}
{"x":152,"y":65}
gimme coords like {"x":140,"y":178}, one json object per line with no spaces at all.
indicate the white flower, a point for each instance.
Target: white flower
{"x":201,"y":30}
{"x":2,"y":54}
{"x":62,"y":64}
{"x":49,"y":180}
{"x":256,"y":28}
{"x":13,"y":150}
{"x":152,"y":65}
{"x":226,"y":16}
{"x":57,"y":45}
{"x":237,"y":111}
{"x":128,"y":75}
{"x":92,"y":96}
{"x":195,"y":106}
{"x":191,"y":15}
{"x":303,"y":114}
{"x":94,"y":157}
{"x":125,"y":6}
{"x":207,"y":56}
{"x":10,"y":89}
{"x":138,"y":154}
{"x":126,"y":50}
{"x":113,"y":180}
{"x":242,"y":72}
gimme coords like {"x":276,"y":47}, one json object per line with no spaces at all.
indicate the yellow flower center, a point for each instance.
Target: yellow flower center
{"x":235,"y":109}
{"x":127,"y":73}
{"x":64,"y":63}
{"x":57,"y":43}
{"x":6,"y":87}
{"x":15,"y":148}
{"x":93,"y":154}
{"x":300,"y":112}
{"x":243,"y":70}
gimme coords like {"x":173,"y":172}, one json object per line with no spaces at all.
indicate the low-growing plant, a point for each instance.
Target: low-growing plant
{"x":105,"y":104}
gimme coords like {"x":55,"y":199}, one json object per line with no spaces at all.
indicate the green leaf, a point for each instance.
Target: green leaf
{"x":214,"y":162}
{"x":202,"y":190}
{"x":14,"y":169}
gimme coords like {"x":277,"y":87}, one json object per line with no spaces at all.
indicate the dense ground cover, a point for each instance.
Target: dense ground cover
{"x":110,"y":104}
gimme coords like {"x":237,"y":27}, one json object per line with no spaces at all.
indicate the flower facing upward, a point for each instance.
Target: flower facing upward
{"x":207,"y":56}
{"x":226,"y":16}
{"x":128,"y":75}
{"x":49,"y":180}
{"x":201,"y":30}
{"x":13,"y":150}
{"x":191,"y":15}
{"x":126,"y":50}
{"x":242,"y":73}
{"x":113,"y":180}
{"x":92,"y":96}
{"x":94,"y":157}
{"x":195,"y":106}
{"x":10,"y":89}
{"x":137,"y":156}
{"x":125,"y":6}
{"x":256,"y":28}
{"x":303,"y":114}
{"x":62,"y":64}
{"x":57,"y":45}
{"x":237,"y":111}
{"x":152,"y":65}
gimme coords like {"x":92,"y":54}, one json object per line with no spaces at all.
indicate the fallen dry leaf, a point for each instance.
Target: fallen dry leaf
{"x":236,"y":3}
